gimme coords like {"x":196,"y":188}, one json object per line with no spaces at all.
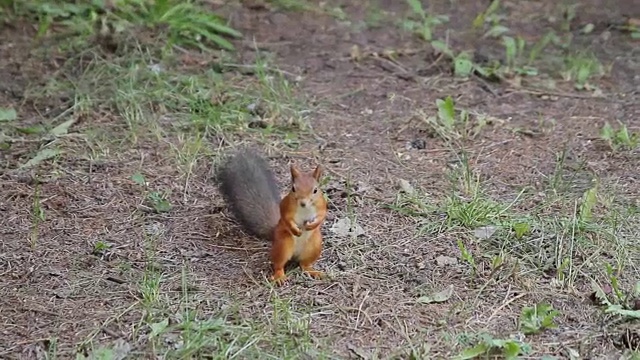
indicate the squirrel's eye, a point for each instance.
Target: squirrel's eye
{"x":315,"y":190}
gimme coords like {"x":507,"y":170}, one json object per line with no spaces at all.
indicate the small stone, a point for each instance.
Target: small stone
{"x":405,"y":186}
{"x":418,"y":144}
{"x":446,"y":260}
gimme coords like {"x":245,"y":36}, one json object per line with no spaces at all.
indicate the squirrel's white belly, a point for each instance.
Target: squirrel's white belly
{"x":300,"y":242}
{"x":302,"y":215}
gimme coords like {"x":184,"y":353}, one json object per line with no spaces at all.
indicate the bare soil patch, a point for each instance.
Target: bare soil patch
{"x":87,"y":263}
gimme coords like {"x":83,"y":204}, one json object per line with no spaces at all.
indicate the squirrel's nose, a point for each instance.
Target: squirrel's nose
{"x":303,"y":203}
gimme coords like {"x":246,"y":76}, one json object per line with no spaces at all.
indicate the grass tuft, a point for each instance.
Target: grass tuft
{"x":186,"y":22}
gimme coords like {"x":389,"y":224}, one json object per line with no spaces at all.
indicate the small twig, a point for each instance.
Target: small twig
{"x":20,"y":343}
{"x":488,"y":87}
{"x":393,"y":63}
{"x":404,"y":127}
{"x":111,"y":333}
{"x":554,"y":93}
{"x":254,"y":67}
{"x":366,"y":295}
{"x":356,"y":351}
{"x":440,"y":56}
{"x":434,"y":62}
{"x":42,"y":311}
{"x":505,"y":305}
{"x":251,"y":277}
{"x":115,"y":280}
{"x":206,"y":238}
{"x":108,"y":322}
{"x":578,"y":340}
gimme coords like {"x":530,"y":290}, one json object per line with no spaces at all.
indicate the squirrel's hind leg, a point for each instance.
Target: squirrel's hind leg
{"x":281,"y":253}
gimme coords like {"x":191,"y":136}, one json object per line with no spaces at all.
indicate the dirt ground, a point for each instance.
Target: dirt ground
{"x":58,"y":287}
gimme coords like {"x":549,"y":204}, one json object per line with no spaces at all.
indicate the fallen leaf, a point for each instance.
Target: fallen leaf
{"x":8,"y":114}
{"x":345,"y":227}
{"x":634,"y":22}
{"x":587,"y":29}
{"x":573,"y":354}
{"x":446,"y":260}
{"x":121,"y":349}
{"x":438,"y":297}
{"x":63,"y":128}
{"x":521,"y":229}
{"x":158,"y":328}
{"x":484,"y":232}
{"x":42,"y":155}
{"x":405,"y":186}
{"x":138,"y":179}
{"x":357,"y":351}
{"x":356,"y":55}
{"x":473,"y":352}
{"x":117,"y":351}
{"x":618,"y":310}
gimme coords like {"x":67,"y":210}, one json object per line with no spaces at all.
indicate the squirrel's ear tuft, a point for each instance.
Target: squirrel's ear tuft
{"x":317,"y":172}
{"x":295,"y":173}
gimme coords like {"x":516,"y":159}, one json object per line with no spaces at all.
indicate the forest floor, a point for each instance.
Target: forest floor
{"x":472,"y":212}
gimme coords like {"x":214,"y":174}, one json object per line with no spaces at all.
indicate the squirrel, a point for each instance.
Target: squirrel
{"x":292,"y":224}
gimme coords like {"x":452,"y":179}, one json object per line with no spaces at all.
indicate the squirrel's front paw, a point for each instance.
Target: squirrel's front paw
{"x":296,"y":231}
{"x":309,"y":224}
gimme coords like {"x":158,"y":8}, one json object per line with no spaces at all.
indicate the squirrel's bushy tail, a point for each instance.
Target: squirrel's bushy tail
{"x":251,"y":192}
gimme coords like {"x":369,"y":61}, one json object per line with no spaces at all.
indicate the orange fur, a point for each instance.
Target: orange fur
{"x":297,"y":235}
{"x":292,"y":223}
